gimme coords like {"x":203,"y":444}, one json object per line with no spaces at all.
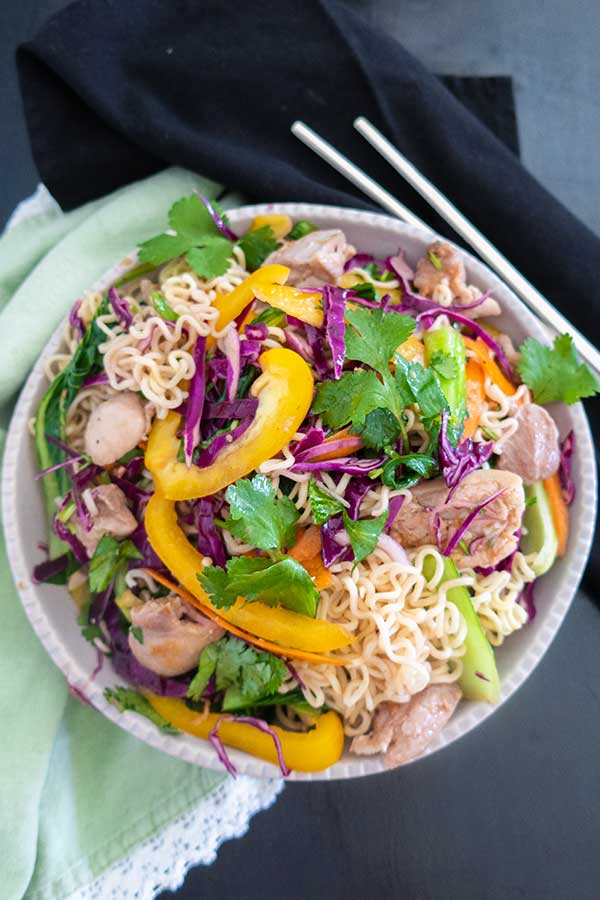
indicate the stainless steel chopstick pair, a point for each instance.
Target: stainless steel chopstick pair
{"x":523,"y":288}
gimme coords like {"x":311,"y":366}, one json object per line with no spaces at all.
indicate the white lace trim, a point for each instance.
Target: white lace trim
{"x":162,"y":862}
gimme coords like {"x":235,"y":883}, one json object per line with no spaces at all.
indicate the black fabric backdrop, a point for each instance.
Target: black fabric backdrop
{"x":115,"y":91}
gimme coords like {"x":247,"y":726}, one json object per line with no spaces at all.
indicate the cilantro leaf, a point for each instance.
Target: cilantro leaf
{"x":282,"y":582}
{"x":163,"y":247}
{"x":126,"y":699}
{"x":245,"y":675}
{"x":380,"y":429}
{"x":364,"y":533}
{"x":555,"y":374}
{"x":416,"y":384}
{"x":271,"y":316}
{"x":257,"y":245}
{"x":190,"y":217}
{"x":418,"y":465}
{"x":350,"y":399}
{"x":300,"y":229}
{"x":110,"y":557}
{"x":323,"y":506}
{"x":212,"y":258}
{"x":257,"y":517}
{"x":443,"y":365}
{"x":365,"y":290}
{"x":374,"y":336}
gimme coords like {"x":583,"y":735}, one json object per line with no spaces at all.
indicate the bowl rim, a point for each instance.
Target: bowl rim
{"x":194,"y":750}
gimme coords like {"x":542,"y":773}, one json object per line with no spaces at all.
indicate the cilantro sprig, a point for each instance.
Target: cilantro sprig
{"x":363,"y":533}
{"x":555,"y":374}
{"x":258,"y":517}
{"x":127,"y":699}
{"x":110,"y":561}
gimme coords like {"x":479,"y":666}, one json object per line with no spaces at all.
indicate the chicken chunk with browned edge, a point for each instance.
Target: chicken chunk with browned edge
{"x":533,"y":451}
{"x":490,"y":537}
{"x":441,"y":276}
{"x":316,"y":259}
{"x":403,"y":731}
{"x":109,"y":514}
{"x":173,"y":635}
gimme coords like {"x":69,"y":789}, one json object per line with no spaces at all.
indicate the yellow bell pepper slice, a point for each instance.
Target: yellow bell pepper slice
{"x":304,"y":305}
{"x":312,"y":751}
{"x":279,"y":224}
{"x":284,"y":391}
{"x":231,"y":305}
{"x":290,"y":629}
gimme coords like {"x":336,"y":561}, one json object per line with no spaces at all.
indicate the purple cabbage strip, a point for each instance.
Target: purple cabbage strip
{"x":426,"y":319}
{"x":210,"y":541}
{"x":257,"y":331}
{"x":120,"y":308}
{"x":350,"y":465}
{"x":77,"y":548}
{"x":527,"y":600}
{"x":240,"y":318}
{"x":567,"y":448}
{"x":218,"y":220}
{"x":49,"y":568}
{"x":64,"y":447}
{"x":505,"y":565}
{"x":66,"y":462}
{"x":139,"y":538}
{"x":346,"y":443}
{"x":250,"y":351}
{"x":210,"y":453}
{"x":462,"y":528}
{"x":75,"y":320}
{"x":134,"y":468}
{"x":334,"y":304}
{"x":231,"y":409}
{"x":356,"y":492}
{"x":132,"y":491}
{"x":91,"y":380}
{"x":294,"y":673}
{"x":363,"y":259}
{"x":394,"y":508}
{"x":437,"y":527}
{"x":261,"y":725}
{"x":298,"y":345}
{"x":230,"y":343}
{"x":331,"y":551}
{"x":316,"y":337}
{"x":195,"y":401}
{"x":399,"y":266}
{"x":99,"y":604}
{"x":457,"y":462}
{"x":99,"y":663}
{"x":312,"y":438}
{"x":83,"y":513}
{"x":411,"y":301}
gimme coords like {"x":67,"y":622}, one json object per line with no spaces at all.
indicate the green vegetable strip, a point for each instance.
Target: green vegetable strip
{"x":449,"y":342}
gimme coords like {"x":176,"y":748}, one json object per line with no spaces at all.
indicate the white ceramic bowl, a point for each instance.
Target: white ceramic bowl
{"x":50,"y":609}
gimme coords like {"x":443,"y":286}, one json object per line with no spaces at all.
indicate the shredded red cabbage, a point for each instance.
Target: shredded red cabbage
{"x":245,"y":720}
{"x":349,"y":443}
{"x":75,"y":320}
{"x":120,"y":308}
{"x":101,"y":378}
{"x":567,"y":448}
{"x":210,"y":453}
{"x":411,"y":301}
{"x":210,"y":541}
{"x":351,"y":465}
{"x":527,"y":600}
{"x":139,"y":539}
{"x":356,"y":492}
{"x":230,"y":343}
{"x":218,"y":220}
{"x":505,"y":565}
{"x":316,"y":337}
{"x":363,"y":259}
{"x":298,"y":345}
{"x":332,"y":551}
{"x":132,"y":491}
{"x":50,"y":568}
{"x":457,"y":462}
{"x":249,"y":352}
{"x":394,"y":509}
{"x":399,"y":266}
{"x":426,"y":319}
{"x":240,"y":319}
{"x":71,"y":461}
{"x":64,"y":447}
{"x":393,"y":548}
{"x":334,"y":304}
{"x":311,"y":438}
{"x":195,"y":401}
{"x":462,"y":528}
{"x":294,"y":673}
{"x":83,"y":513}
{"x":257,"y":331}
{"x":77,"y":548}
{"x":231,"y":409}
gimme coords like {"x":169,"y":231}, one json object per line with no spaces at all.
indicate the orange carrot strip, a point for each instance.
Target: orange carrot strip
{"x":560,"y":511}
{"x":289,"y":652}
{"x":307,"y":551}
{"x":355,"y":442}
{"x":490,"y":366}
{"x":475,"y":397}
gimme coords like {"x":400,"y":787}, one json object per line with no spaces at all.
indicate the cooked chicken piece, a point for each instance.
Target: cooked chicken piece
{"x":533,"y":451}
{"x":174,"y":634}
{"x":316,"y":259}
{"x":491,"y":535}
{"x":403,"y":731}
{"x":114,"y":428}
{"x":110,"y":515}
{"x":447,"y":284}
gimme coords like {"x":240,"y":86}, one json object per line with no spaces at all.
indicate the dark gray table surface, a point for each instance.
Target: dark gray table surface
{"x":513,"y":809}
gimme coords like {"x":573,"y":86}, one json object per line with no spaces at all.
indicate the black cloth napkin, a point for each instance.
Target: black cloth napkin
{"x":115,"y":91}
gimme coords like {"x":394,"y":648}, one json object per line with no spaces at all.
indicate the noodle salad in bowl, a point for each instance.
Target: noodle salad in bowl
{"x":300,"y":493}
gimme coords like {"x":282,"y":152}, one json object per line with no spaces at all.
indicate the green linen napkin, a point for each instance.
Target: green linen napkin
{"x":77,"y":793}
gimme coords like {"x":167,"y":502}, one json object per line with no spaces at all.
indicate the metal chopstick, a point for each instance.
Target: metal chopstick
{"x":354,"y":174}
{"x":486,"y":250}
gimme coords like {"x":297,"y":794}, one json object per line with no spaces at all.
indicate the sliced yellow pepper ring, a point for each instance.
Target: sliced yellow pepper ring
{"x":231,"y":305}
{"x":312,"y":751}
{"x":279,"y":224}
{"x":284,"y":391}
{"x":304,"y":305}
{"x":289,"y":629}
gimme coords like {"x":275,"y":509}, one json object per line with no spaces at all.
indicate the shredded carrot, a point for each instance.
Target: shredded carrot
{"x":209,"y":612}
{"x":307,"y":551}
{"x":490,"y":366}
{"x":475,"y":397}
{"x":560,"y":511}
{"x":317,"y":571}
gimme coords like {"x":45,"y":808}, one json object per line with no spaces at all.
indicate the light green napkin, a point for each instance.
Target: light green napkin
{"x":76,"y":792}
